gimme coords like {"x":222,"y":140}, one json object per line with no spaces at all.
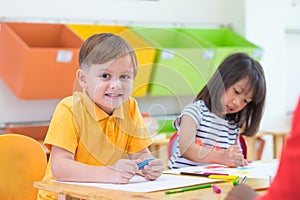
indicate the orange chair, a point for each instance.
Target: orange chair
{"x":243,"y":145}
{"x":261,"y":144}
{"x":174,"y":140}
{"x":22,"y":162}
{"x":36,"y":132}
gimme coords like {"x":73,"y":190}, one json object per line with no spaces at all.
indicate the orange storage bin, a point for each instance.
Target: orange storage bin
{"x":38,"y":61}
{"x":145,"y":52}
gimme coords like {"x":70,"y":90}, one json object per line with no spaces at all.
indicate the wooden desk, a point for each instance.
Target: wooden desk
{"x":68,"y":191}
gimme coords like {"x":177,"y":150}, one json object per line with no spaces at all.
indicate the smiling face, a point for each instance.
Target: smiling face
{"x":236,"y":97}
{"x":108,"y":84}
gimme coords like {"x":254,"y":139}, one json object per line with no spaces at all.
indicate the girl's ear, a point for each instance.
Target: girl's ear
{"x":81,"y":78}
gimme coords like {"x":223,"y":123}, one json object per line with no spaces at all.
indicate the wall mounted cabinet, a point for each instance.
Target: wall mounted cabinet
{"x":179,"y":67}
{"x":219,"y":43}
{"x":186,"y":58}
{"x":38,"y":61}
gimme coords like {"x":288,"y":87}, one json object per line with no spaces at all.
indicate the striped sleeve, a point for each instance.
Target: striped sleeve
{"x":192,"y":110}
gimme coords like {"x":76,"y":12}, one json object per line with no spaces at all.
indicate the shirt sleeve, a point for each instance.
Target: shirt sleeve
{"x":62,"y":131}
{"x":192,"y":110}
{"x":141,"y":138}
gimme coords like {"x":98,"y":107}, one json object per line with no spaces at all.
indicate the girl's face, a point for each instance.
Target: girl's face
{"x":109,"y":84}
{"x":236,"y":97}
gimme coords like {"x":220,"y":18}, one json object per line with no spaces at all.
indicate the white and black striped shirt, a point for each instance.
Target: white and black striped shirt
{"x":211,"y":129}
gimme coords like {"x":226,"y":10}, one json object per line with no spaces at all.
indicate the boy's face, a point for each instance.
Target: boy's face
{"x":236,"y":97}
{"x":109,"y":84}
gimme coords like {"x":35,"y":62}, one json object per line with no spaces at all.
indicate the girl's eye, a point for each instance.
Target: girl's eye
{"x":236,"y":92}
{"x":247,"y":101}
{"x":105,"y":76}
{"x":125,"y":77}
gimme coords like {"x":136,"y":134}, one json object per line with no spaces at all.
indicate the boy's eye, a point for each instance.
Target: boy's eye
{"x":105,"y":76}
{"x":125,"y":77}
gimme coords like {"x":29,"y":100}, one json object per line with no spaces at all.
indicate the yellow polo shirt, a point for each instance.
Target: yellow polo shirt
{"x":95,"y":138}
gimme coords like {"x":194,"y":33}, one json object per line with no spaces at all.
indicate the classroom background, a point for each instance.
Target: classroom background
{"x":273,"y":26}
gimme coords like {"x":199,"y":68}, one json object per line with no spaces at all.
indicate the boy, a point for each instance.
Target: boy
{"x":99,"y":135}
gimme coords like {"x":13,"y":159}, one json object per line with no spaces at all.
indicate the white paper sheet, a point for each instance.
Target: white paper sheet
{"x":140,"y":184}
{"x":256,"y":169}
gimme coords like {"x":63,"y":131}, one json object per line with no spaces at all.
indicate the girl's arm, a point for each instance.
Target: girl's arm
{"x":189,"y":149}
{"x":65,"y":168}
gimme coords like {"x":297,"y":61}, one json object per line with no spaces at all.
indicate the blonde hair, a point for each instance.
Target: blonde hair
{"x":104,"y":47}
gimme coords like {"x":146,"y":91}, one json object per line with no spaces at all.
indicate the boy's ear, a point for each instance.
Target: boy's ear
{"x":81,"y":78}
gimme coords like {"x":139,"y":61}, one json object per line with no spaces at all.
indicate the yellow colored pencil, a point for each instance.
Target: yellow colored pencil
{"x":222,"y":177}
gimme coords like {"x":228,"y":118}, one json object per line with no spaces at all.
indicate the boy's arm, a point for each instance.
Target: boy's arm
{"x":189,"y":149}
{"x":143,"y":154}
{"x":65,"y":168}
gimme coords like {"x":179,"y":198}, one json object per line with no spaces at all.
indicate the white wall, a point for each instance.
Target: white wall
{"x":270,"y":36}
{"x":280,"y":56}
{"x":266,"y":23}
{"x":292,"y":14}
{"x":171,"y":12}
{"x":292,"y":40}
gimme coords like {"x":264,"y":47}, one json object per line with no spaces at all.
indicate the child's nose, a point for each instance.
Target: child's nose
{"x":237,"y":101}
{"x":114,"y":83}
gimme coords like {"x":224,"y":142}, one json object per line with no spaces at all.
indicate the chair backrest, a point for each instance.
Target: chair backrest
{"x":243,"y":144}
{"x":172,"y":144}
{"x":36,"y":132}
{"x":22,"y":162}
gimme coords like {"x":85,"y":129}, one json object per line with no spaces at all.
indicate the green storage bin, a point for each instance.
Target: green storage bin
{"x":179,"y":67}
{"x":222,"y":42}
{"x":166,"y":126}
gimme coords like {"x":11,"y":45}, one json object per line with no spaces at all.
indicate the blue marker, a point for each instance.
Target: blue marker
{"x":244,"y":180}
{"x":144,"y":163}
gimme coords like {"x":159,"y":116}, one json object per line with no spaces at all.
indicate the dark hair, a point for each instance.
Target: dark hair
{"x":104,"y":47}
{"x":233,"y":69}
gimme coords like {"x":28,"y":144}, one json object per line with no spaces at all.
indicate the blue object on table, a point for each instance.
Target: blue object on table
{"x":144,"y":163}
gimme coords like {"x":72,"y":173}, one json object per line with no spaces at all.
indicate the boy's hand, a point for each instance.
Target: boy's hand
{"x":153,"y":170}
{"x":123,"y":170}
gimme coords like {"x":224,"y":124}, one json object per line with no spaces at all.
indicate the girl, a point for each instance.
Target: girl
{"x":209,"y":127}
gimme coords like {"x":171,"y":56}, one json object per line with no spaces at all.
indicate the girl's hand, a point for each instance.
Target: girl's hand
{"x":245,"y":162}
{"x":233,"y":156}
{"x":153,"y":170}
{"x":123,"y":170}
